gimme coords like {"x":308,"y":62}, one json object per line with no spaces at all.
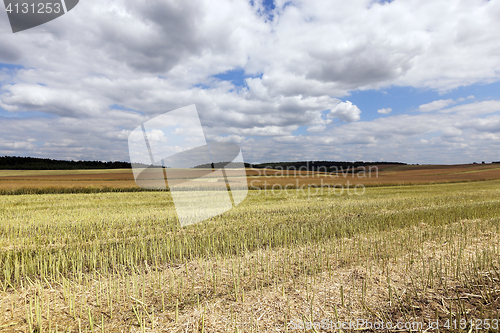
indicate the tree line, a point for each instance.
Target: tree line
{"x":33,"y":163}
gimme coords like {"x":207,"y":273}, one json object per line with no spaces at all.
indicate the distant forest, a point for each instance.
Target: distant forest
{"x":304,"y":165}
{"x":33,"y":163}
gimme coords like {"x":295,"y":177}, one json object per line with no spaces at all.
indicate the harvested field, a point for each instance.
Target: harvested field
{"x":119,"y":262}
{"x":19,"y":182}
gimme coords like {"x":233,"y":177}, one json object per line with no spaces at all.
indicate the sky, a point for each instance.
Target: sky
{"x":412,"y":81}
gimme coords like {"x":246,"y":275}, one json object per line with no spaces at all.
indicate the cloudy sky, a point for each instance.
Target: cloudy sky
{"x":415,"y":81}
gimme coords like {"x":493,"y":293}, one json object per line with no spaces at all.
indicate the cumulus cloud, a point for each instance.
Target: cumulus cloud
{"x":267,"y":131}
{"x":384,"y":110}
{"x":63,"y":102}
{"x":462,"y":99}
{"x":316,"y":128}
{"x":366,"y":44}
{"x":436,"y":105}
{"x":474,"y":109}
{"x":345,"y":111}
{"x":230,"y":138}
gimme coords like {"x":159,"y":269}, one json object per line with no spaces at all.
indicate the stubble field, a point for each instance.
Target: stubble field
{"x":304,"y":260}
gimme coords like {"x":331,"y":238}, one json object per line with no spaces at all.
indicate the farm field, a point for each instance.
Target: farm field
{"x":119,"y":262}
{"x":122,"y":180}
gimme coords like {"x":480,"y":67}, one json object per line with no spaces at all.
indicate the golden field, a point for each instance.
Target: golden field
{"x":123,"y":179}
{"x":281,"y":261}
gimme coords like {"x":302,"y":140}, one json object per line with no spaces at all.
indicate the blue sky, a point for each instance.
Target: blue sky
{"x":408,"y":99}
{"x":286,"y":80}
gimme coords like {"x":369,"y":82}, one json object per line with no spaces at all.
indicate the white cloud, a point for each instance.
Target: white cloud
{"x":267,"y":130}
{"x":461,"y":99}
{"x":156,"y":136}
{"x":384,"y":110}
{"x":475,"y":108}
{"x":345,"y":111}
{"x":230,"y":138}
{"x":436,"y":105}
{"x":316,"y":128}
{"x":353,"y":45}
{"x":63,"y":102}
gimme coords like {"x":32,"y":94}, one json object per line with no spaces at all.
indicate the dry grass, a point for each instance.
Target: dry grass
{"x":384,"y":277}
{"x":118,"y":262}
